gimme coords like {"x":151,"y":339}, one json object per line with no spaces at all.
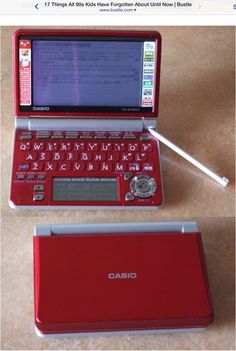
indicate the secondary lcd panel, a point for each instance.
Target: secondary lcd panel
{"x":85,"y":189}
{"x":87,"y":75}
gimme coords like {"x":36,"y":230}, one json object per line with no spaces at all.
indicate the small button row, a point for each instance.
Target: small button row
{"x":27,"y":135}
{"x":82,"y":166}
{"x":80,"y":147}
{"x":30,"y":177}
{"x":86,"y":156}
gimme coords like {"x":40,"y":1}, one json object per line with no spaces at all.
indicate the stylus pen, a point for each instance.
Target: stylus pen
{"x":222,"y":180}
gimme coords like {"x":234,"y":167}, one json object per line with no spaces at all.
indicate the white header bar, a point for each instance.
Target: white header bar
{"x":110,"y":8}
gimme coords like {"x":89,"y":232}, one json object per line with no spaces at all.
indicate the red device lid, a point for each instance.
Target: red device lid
{"x":86,"y":73}
{"x":120,"y":281}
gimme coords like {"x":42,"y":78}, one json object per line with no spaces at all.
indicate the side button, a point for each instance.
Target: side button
{"x":127,"y":175}
{"x":129,"y":197}
{"x":30,"y":177}
{"x":39,"y":187}
{"x":38,"y":197}
{"x":41,"y":177}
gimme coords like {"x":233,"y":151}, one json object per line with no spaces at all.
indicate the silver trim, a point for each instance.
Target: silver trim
{"x":85,"y":208}
{"x":160,"y":164}
{"x":102,"y":228}
{"x":134,"y":332}
{"x":88,"y":124}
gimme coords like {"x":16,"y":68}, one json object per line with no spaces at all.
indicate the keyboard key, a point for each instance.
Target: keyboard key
{"x":38,"y":187}
{"x":45,"y":156}
{"x":86,"y":135}
{"x":52,"y":146}
{"x":79,"y":166}
{"x":51,"y":166}
{"x":92,"y":166}
{"x":79,"y":147}
{"x":72,"y":156}
{"x":127,"y":175}
{"x":86,"y":156}
{"x":127,"y":157}
{"x":30,"y":177}
{"x":113,"y":157}
{"x":72,"y":135}
{"x":148,"y":167}
{"x":145,"y":137}
{"x":146,"y":147}
{"x":66,"y":166}
{"x":41,"y":177}
{"x":23,"y":167}
{"x":120,"y":147}
{"x":106,"y":147}
{"x":37,"y":166}
{"x":105,"y":166}
{"x":25,"y":146}
{"x":129,"y":136}
{"x":133,"y":147}
{"x":20,"y":177}
{"x":93,"y":147}
{"x":100,"y":135}
{"x":134,"y":167}
{"x":114,"y":135}
{"x":26,"y":136}
{"x":100,"y":156}
{"x":31,"y":156}
{"x":38,"y":197}
{"x":121,"y":167}
{"x":129,"y":197}
{"x":38,"y":146}
{"x":57,"y":135}
{"x":42,"y":134}
{"x":58,"y":156}
{"x":65,"y":147}
{"x":141,"y":157}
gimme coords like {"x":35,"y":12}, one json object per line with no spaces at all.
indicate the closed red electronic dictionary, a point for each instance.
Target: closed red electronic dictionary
{"x":129,"y":277}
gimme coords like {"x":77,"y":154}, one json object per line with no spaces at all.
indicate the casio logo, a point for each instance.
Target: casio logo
{"x":132,"y":275}
{"x":38,"y":108}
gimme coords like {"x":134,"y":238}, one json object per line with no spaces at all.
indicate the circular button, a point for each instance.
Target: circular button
{"x":143,"y":186}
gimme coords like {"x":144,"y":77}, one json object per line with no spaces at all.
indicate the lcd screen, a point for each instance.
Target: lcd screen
{"x":87,"y":73}
{"x":85,"y":189}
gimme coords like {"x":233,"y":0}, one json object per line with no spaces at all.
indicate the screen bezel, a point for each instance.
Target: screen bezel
{"x":71,"y":111}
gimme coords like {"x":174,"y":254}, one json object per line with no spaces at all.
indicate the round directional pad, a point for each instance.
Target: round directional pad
{"x":143,"y":186}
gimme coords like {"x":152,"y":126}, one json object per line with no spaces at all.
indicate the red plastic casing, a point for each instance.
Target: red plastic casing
{"x":73,"y":293}
{"x":85,"y":33}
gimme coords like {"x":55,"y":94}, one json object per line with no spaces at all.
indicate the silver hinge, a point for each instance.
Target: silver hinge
{"x":88,"y":124}
{"x":73,"y":229}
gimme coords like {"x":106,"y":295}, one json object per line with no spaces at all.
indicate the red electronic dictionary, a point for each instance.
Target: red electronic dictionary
{"x":129,"y":277}
{"x":84,"y":101}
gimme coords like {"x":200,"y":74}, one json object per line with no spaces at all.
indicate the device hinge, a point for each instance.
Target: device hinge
{"x":149,"y":123}
{"x":85,"y":124}
{"x":42,"y":230}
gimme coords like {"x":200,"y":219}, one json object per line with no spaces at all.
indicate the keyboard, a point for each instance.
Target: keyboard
{"x":59,"y":167}
{"x":66,"y":151}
